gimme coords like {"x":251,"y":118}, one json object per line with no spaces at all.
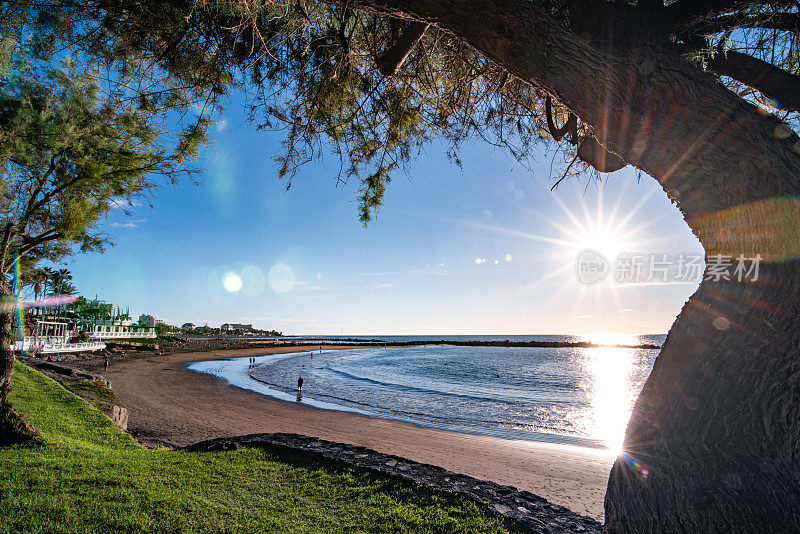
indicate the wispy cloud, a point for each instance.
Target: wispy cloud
{"x":276,"y":319}
{"x":385,"y":285}
{"x":434,"y":271}
{"x":129,"y":224}
{"x":659,"y":283}
{"x":121,"y":204}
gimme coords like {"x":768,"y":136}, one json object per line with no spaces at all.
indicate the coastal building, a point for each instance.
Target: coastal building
{"x":149,"y":320}
{"x":120,"y":329}
{"x":51,"y":337}
{"x":187,"y":326}
{"x":233,"y":327}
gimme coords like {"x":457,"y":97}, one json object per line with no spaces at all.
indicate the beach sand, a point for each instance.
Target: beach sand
{"x":169,"y":402}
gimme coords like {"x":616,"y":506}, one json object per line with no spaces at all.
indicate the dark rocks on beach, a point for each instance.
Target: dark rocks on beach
{"x":524,"y":511}
{"x":66,"y":373}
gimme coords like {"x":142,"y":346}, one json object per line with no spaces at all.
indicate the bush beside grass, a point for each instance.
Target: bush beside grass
{"x":86,"y":475}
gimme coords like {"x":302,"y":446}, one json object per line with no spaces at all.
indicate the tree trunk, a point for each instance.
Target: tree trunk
{"x":717,"y":425}
{"x":13,"y":427}
{"x":6,"y":355}
{"x":713,"y":444}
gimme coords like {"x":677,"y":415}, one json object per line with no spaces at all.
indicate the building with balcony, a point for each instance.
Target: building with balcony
{"x":121,"y":329}
{"x":235,"y":327}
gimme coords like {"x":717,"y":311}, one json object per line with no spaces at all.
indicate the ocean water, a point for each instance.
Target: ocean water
{"x":569,"y":395}
{"x":622,"y":339}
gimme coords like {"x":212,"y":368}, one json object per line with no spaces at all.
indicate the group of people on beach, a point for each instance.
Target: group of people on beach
{"x":252,"y":363}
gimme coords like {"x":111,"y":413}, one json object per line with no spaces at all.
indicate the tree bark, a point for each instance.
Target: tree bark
{"x":13,"y":427}
{"x":717,"y":425}
{"x":712,"y":445}
{"x":6,"y":355}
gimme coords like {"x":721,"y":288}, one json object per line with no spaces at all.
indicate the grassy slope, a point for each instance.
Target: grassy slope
{"x":86,"y":475}
{"x":96,"y":393}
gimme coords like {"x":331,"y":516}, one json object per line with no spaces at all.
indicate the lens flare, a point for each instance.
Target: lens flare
{"x":20,"y":314}
{"x":253,"y":281}
{"x":280,"y":278}
{"x":232,"y":282}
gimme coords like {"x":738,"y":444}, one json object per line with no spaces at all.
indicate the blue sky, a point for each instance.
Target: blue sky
{"x":484,"y":250}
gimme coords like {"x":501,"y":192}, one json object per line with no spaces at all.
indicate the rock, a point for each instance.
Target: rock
{"x":391,"y":463}
{"x":120,"y":416}
{"x":501,"y":508}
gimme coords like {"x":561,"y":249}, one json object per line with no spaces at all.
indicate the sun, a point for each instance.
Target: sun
{"x":607,"y":232}
{"x":607,"y":241}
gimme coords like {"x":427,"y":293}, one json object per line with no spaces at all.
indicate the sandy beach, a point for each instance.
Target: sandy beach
{"x":169,"y":402}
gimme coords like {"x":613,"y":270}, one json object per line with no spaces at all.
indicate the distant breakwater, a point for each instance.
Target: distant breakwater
{"x":506,"y":343}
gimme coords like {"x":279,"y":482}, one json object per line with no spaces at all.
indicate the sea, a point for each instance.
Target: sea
{"x":575,"y":396}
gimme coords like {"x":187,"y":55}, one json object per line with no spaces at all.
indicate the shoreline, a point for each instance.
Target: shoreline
{"x":288,"y":395}
{"x":170,"y":403}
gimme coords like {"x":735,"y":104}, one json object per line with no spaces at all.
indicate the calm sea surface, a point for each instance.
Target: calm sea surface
{"x":568,"y":395}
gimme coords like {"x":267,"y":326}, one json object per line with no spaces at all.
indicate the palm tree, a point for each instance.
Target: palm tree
{"x":68,"y":288}
{"x":47,"y":275}
{"x":59,"y":277}
{"x":38,"y":279}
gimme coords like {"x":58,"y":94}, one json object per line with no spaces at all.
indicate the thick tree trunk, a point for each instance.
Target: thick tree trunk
{"x":13,"y":427}
{"x":717,"y":425}
{"x":714,"y":441}
{"x":6,"y":356}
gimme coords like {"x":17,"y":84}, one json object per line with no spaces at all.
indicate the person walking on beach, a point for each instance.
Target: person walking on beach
{"x":300,"y":384}
{"x":106,"y":363}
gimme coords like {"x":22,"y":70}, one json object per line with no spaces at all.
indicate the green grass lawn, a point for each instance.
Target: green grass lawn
{"x":85,"y":475}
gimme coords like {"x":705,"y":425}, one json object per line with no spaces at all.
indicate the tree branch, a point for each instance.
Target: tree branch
{"x":6,"y":241}
{"x":38,"y":189}
{"x":628,"y":106}
{"x":392,"y":59}
{"x":558,"y":133}
{"x":686,"y":12}
{"x":787,"y":22}
{"x":773,"y":82}
{"x":40,"y":239}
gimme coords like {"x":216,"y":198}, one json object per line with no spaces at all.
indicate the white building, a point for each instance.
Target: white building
{"x":230,"y":327}
{"x":187,"y":326}
{"x":53,"y":337}
{"x":121,"y":329}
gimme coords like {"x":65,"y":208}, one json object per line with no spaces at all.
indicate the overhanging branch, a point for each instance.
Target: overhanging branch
{"x":571,"y":126}
{"x":686,"y":12}
{"x":33,"y":242}
{"x":787,"y":22}
{"x":650,"y":106}
{"x":773,"y":82}
{"x":393,"y":58}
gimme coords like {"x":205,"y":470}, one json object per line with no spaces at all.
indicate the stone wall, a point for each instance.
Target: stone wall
{"x":524,"y":511}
